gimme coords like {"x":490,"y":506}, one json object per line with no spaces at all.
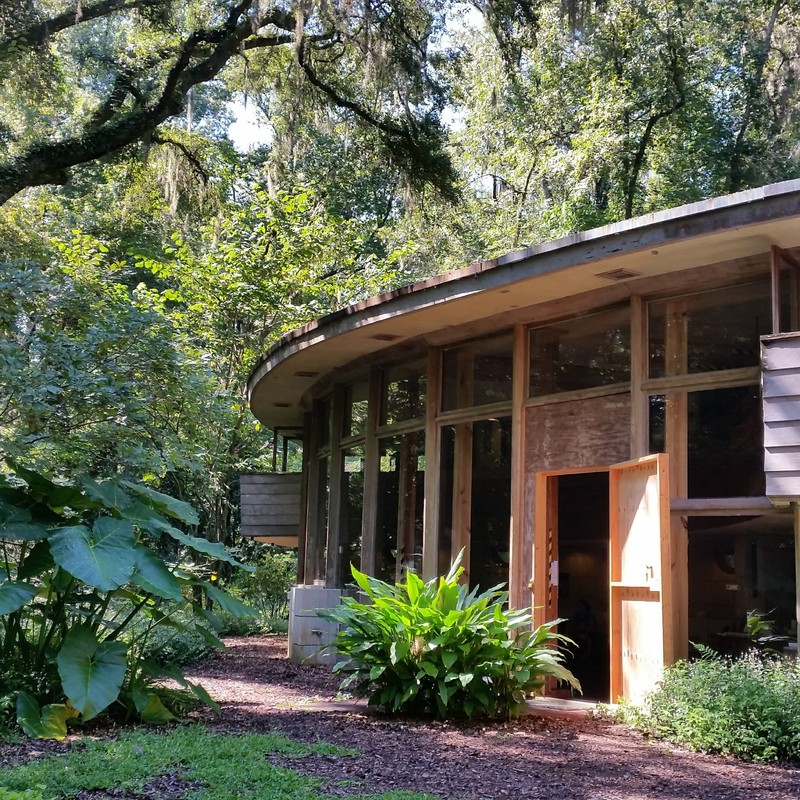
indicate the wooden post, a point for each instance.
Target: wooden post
{"x":520,"y":540}
{"x":640,"y":445}
{"x":369,"y":515}
{"x":796,"y":507}
{"x":775,"y":271}
{"x":335,"y":508}
{"x":430,"y":539}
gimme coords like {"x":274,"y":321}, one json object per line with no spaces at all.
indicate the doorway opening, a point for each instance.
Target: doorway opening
{"x":583,"y":578}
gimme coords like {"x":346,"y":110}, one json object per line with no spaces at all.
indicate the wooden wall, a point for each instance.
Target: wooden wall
{"x":271,"y":507}
{"x":591,"y":432}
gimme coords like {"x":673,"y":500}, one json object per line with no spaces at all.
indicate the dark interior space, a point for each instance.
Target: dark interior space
{"x":583,"y":595}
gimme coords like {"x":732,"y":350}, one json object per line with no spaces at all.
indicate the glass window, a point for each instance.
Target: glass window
{"x":401,"y":496}
{"x":355,"y":409}
{"x":658,"y":413}
{"x":478,"y":373}
{"x":352,"y":504}
{"x":403,"y":392}
{"x":324,"y":423}
{"x":738,"y":565}
{"x":726,"y":455}
{"x":581,"y":353}
{"x":710,"y":331}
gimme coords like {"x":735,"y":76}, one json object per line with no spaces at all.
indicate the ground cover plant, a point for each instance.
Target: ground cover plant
{"x":89,"y":572}
{"x":748,"y":707}
{"x":211,"y":766}
{"x":439,"y":648}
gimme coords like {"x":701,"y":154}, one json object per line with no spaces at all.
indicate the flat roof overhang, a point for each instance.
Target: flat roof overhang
{"x":735,"y":226}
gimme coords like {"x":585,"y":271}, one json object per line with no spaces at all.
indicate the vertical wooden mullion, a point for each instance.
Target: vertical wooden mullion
{"x":430,"y":537}
{"x":521,"y":541}
{"x":677,"y":445}
{"x":639,"y":401}
{"x":462,"y":495}
{"x":308,"y":459}
{"x":312,"y":509}
{"x":369,"y":516}
{"x":796,"y":508}
{"x":335,"y":498}
{"x":775,"y":272}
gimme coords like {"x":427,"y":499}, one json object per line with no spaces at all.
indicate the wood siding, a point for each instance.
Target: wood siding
{"x":271,"y":506}
{"x":780,"y":383}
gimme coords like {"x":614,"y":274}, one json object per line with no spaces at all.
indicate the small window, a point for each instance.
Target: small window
{"x":709,"y":331}
{"x":478,"y":373}
{"x":403,"y":392}
{"x":356,"y":407}
{"x":581,"y":353}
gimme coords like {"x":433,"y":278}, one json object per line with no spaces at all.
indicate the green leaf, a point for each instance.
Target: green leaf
{"x":213,"y":549}
{"x":91,"y":672}
{"x":38,"y":561}
{"x":22,"y":531}
{"x":466,"y":678}
{"x":203,"y":696}
{"x":449,"y":658}
{"x":103,"y":557}
{"x":227,"y":602}
{"x":108,"y":493}
{"x":150,"y":707}
{"x":152,"y":575}
{"x":54,"y":495}
{"x":47,"y":723}
{"x":14,"y":595}
{"x":164,"y":503}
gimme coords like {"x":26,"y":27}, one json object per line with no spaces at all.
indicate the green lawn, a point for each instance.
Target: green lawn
{"x":215,"y":766}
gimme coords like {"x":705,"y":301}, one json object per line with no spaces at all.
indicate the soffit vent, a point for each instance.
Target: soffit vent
{"x":387,"y":337}
{"x":618,"y":274}
{"x":282,"y":405}
{"x":303,"y":374}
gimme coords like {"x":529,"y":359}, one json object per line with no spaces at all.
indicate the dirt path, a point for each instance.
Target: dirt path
{"x":569,"y":759}
{"x":556,"y":759}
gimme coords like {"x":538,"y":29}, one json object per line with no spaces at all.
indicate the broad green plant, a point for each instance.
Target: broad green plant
{"x":439,"y":648}
{"x":747,"y":707}
{"x":83,"y":589}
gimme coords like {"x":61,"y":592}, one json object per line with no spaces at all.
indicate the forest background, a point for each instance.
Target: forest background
{"x":146,"y":261}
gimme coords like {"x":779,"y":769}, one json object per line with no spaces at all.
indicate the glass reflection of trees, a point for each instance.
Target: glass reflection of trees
{"x":403,"y":392}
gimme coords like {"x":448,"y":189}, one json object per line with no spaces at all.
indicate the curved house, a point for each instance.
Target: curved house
{"x":607,"y":422}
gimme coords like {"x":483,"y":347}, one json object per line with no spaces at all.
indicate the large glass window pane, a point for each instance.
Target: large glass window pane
{"x":403,"y":392}
{"x":401,"y":496}
{"x":355,"y":409}
{"x":477,"y":374}
{"x":738,"y":565}
{"x":710,"y":331}
{"x":726,"y":457}
{"x":446,"y":477}
{"x":352,"y":504}
{"x":491,"y":502}
{"x":581,"y":353}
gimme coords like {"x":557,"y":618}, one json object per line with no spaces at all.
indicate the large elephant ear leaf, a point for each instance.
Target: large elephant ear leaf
{"x":47,"y":723}
{"x":164,"y":503}
{"x":91,"y":672}
{"x":102,"y":557}
{"x":152,"y":575}
{"x":14,"y":595}
{"x":107,"y":493}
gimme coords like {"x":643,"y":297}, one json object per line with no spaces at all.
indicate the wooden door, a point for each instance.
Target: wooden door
{"x":640,"y":575}
{"x":640,"y":571}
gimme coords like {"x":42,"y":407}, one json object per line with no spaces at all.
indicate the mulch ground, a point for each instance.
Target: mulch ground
{"x":572,"y":758}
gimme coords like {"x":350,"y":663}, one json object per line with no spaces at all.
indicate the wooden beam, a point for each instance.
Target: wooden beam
{"x":462,"y":496}
{"x":797,"y":567}
{"x":721,"y":506}
{"x":775,"y":272}
{"x":720,"y":379}
{"x":303,"y":527}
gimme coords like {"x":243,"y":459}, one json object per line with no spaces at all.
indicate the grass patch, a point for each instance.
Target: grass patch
{"x":225,"y":767}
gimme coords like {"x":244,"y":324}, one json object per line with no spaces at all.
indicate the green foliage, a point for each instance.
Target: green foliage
{"x":267,"y":586}
{"x":26,"y":794}
{"x":220,"y":767}
{"x":439,"y":648}
{"x":83,"y":590}
{"x":748,"y":707}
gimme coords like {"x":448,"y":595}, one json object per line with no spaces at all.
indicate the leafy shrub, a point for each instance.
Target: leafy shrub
{"x":748,"y":707}
{"x":438,"y":648}
{"x":84,"y":592}
{"x":27,"y":794}
{"x":266,"y":588}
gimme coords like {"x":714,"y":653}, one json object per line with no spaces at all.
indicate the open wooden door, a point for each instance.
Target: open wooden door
{"x":641,"y":576}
